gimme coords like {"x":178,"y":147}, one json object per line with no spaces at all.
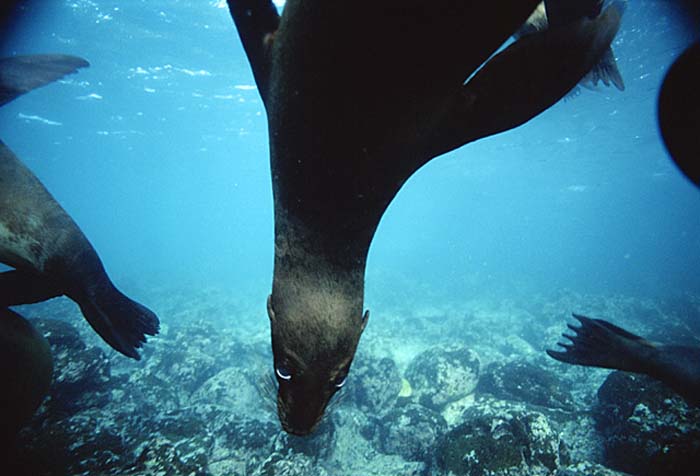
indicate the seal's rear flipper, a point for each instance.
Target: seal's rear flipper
{"x":17,"y":287}
{"x":21,"y":74}
{"x":598,"y":343}
{"x":121,"y":322}
{"x":605,"y":71}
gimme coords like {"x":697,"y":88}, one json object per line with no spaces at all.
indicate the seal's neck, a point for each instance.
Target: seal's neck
{"x":318,"y":269}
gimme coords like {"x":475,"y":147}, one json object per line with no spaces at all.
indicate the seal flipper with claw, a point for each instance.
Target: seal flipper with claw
{"x":49,"y":252}
{"x":598,"y":343}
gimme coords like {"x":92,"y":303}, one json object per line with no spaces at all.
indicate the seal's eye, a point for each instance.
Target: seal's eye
{"x":283,"y":373}
{"x":340,"y":381}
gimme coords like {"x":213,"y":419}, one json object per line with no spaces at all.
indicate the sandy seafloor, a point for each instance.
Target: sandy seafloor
{"x":461,"y":387}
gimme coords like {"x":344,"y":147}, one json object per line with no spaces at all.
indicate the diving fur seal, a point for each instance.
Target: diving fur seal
{"x":598,"y":343}
{"x":48,"y":251}
{"x":359,"y":95}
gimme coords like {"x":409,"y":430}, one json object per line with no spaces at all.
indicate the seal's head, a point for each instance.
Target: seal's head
{"x":312,"y":356}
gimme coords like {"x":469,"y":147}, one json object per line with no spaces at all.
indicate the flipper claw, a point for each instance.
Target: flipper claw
{"x":599,"y":343}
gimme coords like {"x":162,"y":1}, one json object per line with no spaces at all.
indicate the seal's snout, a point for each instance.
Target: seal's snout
{"x":298,"y":431}
{"x":302,"y":418}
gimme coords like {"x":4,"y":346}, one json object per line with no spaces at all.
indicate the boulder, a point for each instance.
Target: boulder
{"x":522,"y":381}
{"x":498,"y":440}
{"x":648,"y":429}
{"x":441,"y":375}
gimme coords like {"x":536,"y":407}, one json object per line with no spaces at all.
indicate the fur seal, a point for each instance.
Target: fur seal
{"x":358,"y":97}
{"x":49,"y":253}
{"x":26,"y":367}
{"x":598,"y":343}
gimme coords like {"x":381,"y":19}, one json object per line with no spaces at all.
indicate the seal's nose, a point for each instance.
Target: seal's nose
{"x":301,"y":419}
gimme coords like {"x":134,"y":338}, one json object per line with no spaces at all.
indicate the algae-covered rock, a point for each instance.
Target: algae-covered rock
{"x":241,"y":439}
{"x":497,"y":441}
{"x":648,"y":429}
{"x":410,"y":431}
{"x":233,"y":388}
{"x":586,"y":468}
{"x":373,"y":385}
{"x":525,"y":382}
{"x":161,"y":456}
{"x":81,"y":443}
{"x":442,"y":375}
{"x":281,"y":464}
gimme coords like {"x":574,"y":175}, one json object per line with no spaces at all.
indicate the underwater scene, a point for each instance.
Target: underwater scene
{"x":233,"y":196}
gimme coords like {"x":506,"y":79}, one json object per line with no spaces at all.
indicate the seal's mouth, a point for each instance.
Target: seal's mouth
{"x":299,"y":421}
{"x":296,"y":431}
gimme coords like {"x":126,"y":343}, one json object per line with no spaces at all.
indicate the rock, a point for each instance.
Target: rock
{"x":83,"y":443}
{"x":60,"y":334}
{"x":373,"y":385}
{"x":521,"y":381}
{"x":187,"y":431}
{"x":648,"y":429}
{"x":180,"y":361}
{"x":159,"y":455}
{"x":242,"y":440}
{"x":497,"y":440}
{"x":587,"y":469}
{"x":440,"y":375}
{"x":409,"y":431}
{"x":232,"y":388}
{"x":280,"y":464}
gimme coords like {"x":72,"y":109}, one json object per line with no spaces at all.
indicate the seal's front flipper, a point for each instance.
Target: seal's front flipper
{"x":120,"y":321}
{"x":17,"y":287}
{"x":256,"y":22}
{"x":525,"y":79}
{"x":598,"y":343}
{"x":21,"y":74}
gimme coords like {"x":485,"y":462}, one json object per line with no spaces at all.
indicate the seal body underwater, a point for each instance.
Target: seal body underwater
{"x":352,"y":116}
{"x":598,"y":343}
{"x":48,"y":251}
{"x":26,"y":367}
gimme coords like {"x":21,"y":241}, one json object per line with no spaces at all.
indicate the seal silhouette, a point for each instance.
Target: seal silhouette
{"x":359,"y":95}
{"x":48,"y":251}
